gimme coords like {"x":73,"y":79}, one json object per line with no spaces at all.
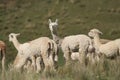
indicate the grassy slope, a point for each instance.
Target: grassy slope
{"x":30,"y":18}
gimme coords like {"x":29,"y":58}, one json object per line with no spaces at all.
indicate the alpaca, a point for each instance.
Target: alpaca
{"x":42,"y":46}
{"x":74,"y":55}
{"x":71,"y":44}
{"x":39,"y":60}
{"x":3,"y":52}
{"x":109,"y":49}
{"x":53,"y":29}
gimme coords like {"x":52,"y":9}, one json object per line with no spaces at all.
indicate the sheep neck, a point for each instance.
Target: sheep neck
{"x":97,"y":41}
{"x":16,"y":43}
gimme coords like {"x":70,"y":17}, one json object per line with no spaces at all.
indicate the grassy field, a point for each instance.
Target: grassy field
{"x":105,"y":70}
{"x":30,"y":18}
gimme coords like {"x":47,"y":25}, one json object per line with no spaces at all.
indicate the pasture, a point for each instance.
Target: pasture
{"x":30,"y":18}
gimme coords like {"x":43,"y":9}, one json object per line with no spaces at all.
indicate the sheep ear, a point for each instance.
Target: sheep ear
{"x":50,"y":21}
{"x":56,"y":20}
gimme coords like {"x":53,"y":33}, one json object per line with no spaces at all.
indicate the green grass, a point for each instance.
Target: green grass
{"x":105,"y":70}
{"x":30,"y":18}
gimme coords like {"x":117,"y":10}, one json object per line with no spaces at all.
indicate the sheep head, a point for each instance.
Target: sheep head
{"x":94,"y":32}
{"x":13,"y":36}
{"x":53,"y":25}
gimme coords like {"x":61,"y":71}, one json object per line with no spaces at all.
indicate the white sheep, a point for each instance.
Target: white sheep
{"x":109,"y":49}
{"x":42,"y":46}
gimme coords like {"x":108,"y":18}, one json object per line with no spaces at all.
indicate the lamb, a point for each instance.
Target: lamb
{"x":2,"y":53}
{"x":42,"y":46}
{"x":71,"y":44}
{"x":110,"y":49}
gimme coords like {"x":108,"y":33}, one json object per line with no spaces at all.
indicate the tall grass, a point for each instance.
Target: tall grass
{"x":104,"y":70}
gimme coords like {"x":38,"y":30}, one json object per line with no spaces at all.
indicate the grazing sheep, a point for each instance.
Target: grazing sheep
{"x":42,"y":46}
{"x":2,"y":53}
{"x":71,"y":44}
{"x":109,"y":49}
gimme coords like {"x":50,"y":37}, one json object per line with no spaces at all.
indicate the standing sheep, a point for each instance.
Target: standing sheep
{"x":42,"y":46}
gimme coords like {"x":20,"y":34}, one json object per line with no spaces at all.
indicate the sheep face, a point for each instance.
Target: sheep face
{"x":94,"y":32}
{"x":53,"y":25}
{"x":13,"y":36}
